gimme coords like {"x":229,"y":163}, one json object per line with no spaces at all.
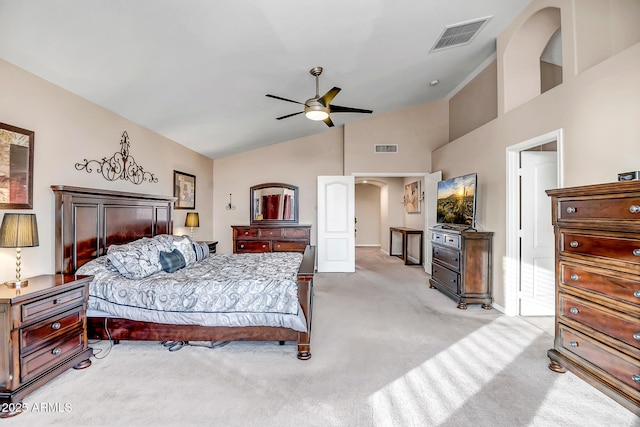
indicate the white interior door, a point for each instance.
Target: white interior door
{"x":336,"y":224}
{"x":430,"y":216}
{"x":537,"y":262}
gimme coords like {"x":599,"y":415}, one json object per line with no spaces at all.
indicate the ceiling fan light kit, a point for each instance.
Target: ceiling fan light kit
{"x":319,"y":107}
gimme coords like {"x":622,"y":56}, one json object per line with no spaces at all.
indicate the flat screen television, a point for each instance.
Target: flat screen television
{"x":457,"y":202}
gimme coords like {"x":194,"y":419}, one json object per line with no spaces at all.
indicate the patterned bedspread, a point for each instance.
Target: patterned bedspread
{"x":221,"y":290}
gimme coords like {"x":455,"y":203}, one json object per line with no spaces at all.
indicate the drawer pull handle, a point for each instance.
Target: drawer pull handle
{"x":246,"y":232}
{"x":574,"y":244}
{"x":264,"y":246}
{"x":242,"y":246}
{"x":56,"y":351}
{"x":56,"y":325}
{"x":56,"y":301}
{"x":455,"y":259}
{"x":636,"y":336}
{"x":573,"y":344}
{"x":636,"y":294}
{"x":574,"y":310}
{"x":453,"y":280}
{"x":635,"y":378}
{"x":636,"y":252}
{"x":634,"y":208}
{"x":574,"y":277}
{"x":571,"y":210}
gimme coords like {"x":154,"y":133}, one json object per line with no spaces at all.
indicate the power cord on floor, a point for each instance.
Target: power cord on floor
{"x":177,"y":345}
{"x":98,"y":351}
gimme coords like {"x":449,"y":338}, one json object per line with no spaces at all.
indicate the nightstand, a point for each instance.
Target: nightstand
{"x":212,"y":246}
{"x":43,"y":332}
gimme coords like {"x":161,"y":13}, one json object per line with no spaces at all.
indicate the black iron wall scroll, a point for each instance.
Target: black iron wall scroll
{"x":119,"y":166}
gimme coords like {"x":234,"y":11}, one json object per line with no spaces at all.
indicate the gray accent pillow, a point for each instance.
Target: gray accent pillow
{"x":172,"y":261}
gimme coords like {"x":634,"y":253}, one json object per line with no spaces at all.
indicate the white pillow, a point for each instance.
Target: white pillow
{"x":183,"y":244}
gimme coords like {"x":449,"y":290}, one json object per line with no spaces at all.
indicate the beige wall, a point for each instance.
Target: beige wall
{"x":475,"y":104}
{"x":69,"y":129}
{"x":597,"y":111}
{"x":297,"y":162}
{"x":368,"y":207}
{"x":417,"y":131}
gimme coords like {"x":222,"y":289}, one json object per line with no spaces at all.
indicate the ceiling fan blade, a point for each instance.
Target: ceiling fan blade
{"x":328,"y":97}
{"x":339,"y":109}
{"x":284,"y":99}
{"x":328,"y":122}
{"x":289,"y":115}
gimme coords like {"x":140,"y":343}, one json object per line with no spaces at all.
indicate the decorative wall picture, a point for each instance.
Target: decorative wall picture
{"x":412,"y":197}
{"x":184,"y":188}
{"x":121,"y":165}
{"x":16,"y":167}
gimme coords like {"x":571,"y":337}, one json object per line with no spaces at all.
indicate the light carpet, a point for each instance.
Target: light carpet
{"x":387,"y":351}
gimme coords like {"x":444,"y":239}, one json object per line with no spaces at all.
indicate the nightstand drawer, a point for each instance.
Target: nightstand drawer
{"x":35,"y":335}
{"x":246,"y":232}
{"x":448,"y":278}
{"x":46,"y":306}
{"x":41,"y":360}
{"x":270,"y":233}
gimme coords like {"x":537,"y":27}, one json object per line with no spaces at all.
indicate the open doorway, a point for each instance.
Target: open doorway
{"x":533,"y":166}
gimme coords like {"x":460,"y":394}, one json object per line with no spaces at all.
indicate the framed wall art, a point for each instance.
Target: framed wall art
{"x":412,"y":197}
{"x":16,"y":167}
{"x":184,"y":188}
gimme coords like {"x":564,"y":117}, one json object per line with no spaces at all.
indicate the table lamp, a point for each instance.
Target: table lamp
{"x":192,"y":221}
{"x":18,"y":231}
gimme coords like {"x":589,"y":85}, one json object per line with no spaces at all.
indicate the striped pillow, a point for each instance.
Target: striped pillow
{"x":201,"y":249}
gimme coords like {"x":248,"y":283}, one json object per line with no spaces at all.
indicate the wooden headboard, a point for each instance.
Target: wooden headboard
{"x":89,"y":220}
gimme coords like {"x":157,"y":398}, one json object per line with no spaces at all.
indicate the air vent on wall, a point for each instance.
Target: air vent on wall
{"x":386,"y":148}
{"x":459,"y":34}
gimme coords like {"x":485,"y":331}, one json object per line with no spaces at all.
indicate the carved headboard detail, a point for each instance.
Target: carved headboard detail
{"x":88,"y":221}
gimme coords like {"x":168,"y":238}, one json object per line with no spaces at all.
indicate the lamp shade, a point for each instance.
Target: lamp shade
{"x":18,"y":231}
{"x":192,"y":220}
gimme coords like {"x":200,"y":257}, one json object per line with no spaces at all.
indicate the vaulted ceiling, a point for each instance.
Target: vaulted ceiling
{"x":197,"y":71}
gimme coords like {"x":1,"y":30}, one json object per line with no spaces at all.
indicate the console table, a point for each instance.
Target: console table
{"x":405,"y":232}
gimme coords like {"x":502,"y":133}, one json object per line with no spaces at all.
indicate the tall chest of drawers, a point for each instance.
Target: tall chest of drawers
{"x":597,"y":332}
{"x":270,"y":238}
{"x":42,"y":333}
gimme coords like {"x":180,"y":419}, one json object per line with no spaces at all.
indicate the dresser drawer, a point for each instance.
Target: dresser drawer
{"x":614,"y":248}
{"x":602,"y":356}
{"x":447,"y":257}
{"x":602,"y":282}
{"x":600,"y":319}
{"x":448,"y":278}
{"x":253,"y":246}
{"x":270,"y":233}
{"x":36,"y":335}
{"x":283,"y":246}
{"x":57,"y":352}
{"x":55,"y":303}
{"x":246,"y":232}
{"x":296,"y":233}
{"x":625,"y":208}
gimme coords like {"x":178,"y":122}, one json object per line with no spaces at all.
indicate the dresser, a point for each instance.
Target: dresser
{"x":461,"y":265}
{"x":597,"y":331}
{"x":271,"y":238}
{"x":42,"y":334}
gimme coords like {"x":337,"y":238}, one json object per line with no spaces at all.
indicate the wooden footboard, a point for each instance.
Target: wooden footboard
{"x":124,"y":329}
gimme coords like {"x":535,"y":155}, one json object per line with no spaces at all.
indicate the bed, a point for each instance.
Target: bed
{"x":89,"y":221}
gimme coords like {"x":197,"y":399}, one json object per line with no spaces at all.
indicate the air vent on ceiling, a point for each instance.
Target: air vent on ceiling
{"x":459,"y":34}
{"x":386,"y":148}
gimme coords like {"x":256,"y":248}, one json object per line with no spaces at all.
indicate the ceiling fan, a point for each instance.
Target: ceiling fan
{"x":319,"y":107}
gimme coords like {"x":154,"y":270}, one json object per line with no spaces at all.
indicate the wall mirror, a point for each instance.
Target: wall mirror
{"x":274,"y":203}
